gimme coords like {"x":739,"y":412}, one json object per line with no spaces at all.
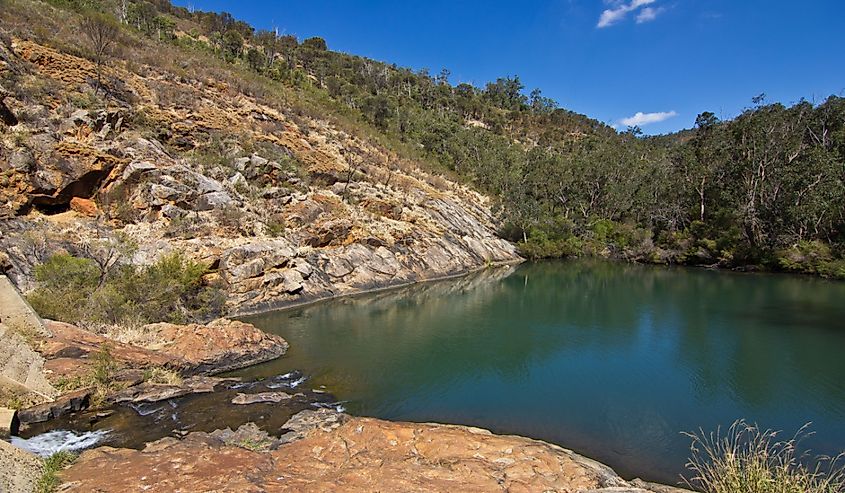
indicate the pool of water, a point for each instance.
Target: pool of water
{"x":611,"y":360}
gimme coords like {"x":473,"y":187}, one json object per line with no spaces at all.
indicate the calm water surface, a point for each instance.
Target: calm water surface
{"x":611,"y":360}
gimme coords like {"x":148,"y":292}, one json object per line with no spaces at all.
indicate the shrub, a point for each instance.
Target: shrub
{"x":66,"y":284}
{"x":541,"y":245}
{"x":747,"y":459}
{"x":70,"y":289}
{"x":811,"y":257}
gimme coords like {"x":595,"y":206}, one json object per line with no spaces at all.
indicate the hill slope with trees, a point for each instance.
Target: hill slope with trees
{"x":764,"y":189}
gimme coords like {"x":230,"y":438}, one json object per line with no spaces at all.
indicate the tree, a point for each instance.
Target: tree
{"x":315,"y":43}
{"x":101,"y":32}
{"x":233,"y":45}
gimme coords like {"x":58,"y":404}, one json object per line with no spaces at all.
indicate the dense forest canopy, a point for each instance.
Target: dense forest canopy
{"x":762,"y":189}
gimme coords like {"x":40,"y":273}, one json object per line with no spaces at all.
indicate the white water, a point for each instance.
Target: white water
{"x":54,"y":441}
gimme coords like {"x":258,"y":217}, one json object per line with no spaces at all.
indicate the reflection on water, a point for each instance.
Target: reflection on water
{"x":612,"y":360}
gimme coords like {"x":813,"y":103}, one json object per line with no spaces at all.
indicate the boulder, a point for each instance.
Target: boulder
{"x":150,"y":392}
{"x":213,"y":200}
{"x":86,"y":207}
{"x":64,"y":404}
{"x":332,"y":232}
{"x":219,"y":346}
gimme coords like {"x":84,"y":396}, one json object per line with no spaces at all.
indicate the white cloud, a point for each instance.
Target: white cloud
{"x":640,"y":118}
{"x":620,"y":9}
{"x":648,"y":14}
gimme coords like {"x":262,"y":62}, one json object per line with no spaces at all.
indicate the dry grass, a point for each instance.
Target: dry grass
{"x":162,"y":376}
{"x":748,"y":459}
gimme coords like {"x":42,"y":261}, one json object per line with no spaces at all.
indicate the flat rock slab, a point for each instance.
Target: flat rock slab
{"x":261,"y":397}
{"x":351,"y":454}
{"x":149,"y":392}
{"x":72,"y":348}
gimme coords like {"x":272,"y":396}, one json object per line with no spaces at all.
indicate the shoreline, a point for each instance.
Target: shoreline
{"x":591,"y":463}
{"x":282,"y":306}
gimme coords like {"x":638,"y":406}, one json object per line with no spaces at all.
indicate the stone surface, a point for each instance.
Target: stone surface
{"x":64,"y":404}
{"x":260,"y":397}
{"x":71,"y":350}
{"x":221,"y":345}
{"x":86,"y":207}
{"x":21,"y":367}
{"x":350,"y":454}
{"x":149,"y":392}
{"x":20,"y":469}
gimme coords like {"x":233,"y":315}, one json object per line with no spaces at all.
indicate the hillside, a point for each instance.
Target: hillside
{"x":764,"y":190}
{"x":281,"y":206}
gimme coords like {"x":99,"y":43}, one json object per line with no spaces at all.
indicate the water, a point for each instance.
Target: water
{"x":612,"y":360}
{"x":47,"y":444}
{"x":135,"y":424}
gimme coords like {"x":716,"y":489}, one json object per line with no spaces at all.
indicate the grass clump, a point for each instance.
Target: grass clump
{"x":748,"y":459}
{"x":163,"y":376}
{"x":49,"y":480}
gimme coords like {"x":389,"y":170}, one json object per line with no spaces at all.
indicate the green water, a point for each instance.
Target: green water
{"x":611,"y":360}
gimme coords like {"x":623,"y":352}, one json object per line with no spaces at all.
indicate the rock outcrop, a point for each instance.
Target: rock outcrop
{"x":335,"y":452}
{"x":308,"y":212}
{"x":219,"y":346}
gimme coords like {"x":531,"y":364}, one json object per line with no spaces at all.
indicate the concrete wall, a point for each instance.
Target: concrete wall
{"x":20,"y":365}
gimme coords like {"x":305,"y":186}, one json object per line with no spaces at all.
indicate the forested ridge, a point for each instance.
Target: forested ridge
{"x":761,"y":190}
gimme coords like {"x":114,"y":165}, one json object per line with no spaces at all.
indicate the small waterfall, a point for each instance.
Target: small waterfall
{"x":47,"y":444}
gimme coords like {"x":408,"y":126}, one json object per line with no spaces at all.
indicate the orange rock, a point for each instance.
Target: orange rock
{"x":86,"y":207}
{"x":352,"y":455}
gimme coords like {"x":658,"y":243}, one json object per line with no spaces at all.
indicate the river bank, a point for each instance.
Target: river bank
{"x":454,"y":458}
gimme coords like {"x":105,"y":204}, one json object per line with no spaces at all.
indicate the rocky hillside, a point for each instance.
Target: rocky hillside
{"x":283,"y":207}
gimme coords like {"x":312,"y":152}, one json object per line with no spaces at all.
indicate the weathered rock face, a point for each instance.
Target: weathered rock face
{"x":349,"y":454}
{"x":219,"y":346}
{"x":286,"y":223}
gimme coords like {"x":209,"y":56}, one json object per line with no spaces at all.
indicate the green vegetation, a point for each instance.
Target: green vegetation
{"x":49,"y":480}
{"x":764,"y":189}
{"x":77,"y":289}
{"x":747,"y":459}
{"x":100,"y":378}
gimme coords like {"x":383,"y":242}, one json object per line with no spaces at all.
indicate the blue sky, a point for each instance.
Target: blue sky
{"x":609,"y":59}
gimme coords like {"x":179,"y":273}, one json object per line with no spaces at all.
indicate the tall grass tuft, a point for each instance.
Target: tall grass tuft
{"x":748,"y":459}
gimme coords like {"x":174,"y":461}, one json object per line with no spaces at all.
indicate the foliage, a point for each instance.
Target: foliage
{"x":812,"y":257}
{"x":748,"y":459}
{"x":49,"y":480}
{"x":73,"y":289}
{"x":749,"y":190}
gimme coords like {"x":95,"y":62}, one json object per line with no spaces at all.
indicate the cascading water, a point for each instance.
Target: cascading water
{"x":47,"y":444}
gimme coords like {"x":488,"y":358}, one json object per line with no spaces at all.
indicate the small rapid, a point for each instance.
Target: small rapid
{"x":47,"y":444}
